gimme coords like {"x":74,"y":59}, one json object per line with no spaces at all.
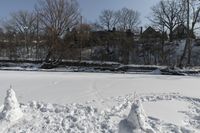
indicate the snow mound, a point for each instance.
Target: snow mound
{"x":136,"y":121}
{"x":39,"y":117}
{"x":156,"y":72}
{"x":73,"y":118}
{"x":11,"y":110}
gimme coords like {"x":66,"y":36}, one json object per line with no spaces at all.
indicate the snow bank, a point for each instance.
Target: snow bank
{"x":76,"y":118}
{"x":136,"y":121}
{"x":156,"y":72}
{"x":11,"y":110}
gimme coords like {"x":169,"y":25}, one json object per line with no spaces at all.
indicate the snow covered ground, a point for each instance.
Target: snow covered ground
{"x":96,"y":102}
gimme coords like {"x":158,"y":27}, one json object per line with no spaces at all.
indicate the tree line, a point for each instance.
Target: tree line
{"x":55,"y":31}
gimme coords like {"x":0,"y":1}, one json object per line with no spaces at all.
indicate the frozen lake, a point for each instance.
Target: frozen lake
{"x":170,"y":102}
{"x":66,"y":87}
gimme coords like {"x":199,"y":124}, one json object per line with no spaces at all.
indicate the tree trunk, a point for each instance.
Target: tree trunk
{"x":187,"y":45}
{"x":184,"y":54}
{"x":162,"y":45}
{"x":189,"y":52}
{"x":171,"y":35}
{"x":47,"y":58}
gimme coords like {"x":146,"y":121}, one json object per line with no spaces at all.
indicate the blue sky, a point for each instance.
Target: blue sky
{"x":90,"y":8}
{"x":8,"y":6}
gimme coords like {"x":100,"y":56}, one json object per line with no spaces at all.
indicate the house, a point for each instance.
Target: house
{"x":180,"y":32}
{"x":150,"y":35}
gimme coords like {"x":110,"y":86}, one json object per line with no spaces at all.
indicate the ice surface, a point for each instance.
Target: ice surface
{"x":101,"y":101}
{"x":169,"y":111}
{"x":63,"y":87}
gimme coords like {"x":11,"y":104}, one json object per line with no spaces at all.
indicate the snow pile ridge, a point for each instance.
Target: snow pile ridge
{"x":11,"y":111}
{"x":136,"y":122}
{"x":156,"y":72}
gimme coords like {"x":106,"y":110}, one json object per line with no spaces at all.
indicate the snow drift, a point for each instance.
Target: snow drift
{"x":136,"y":121}
{"x":11,"y":111}
{"x":38,"y":117}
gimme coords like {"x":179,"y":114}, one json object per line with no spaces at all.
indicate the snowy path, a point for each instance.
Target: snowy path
{"x":172,"y":103}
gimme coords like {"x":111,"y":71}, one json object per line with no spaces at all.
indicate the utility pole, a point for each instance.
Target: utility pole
{"x":163,"y":42}
{"x":81,"y":32}
{"x":37,"y":19}
{"x":26,"y":41}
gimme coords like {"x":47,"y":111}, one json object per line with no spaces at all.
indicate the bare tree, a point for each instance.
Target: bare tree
{"x":192,"y":10}
{"x":1,"y":34}
{"x":168,"y":14}
{"x":108,"y":19}
{"x":128,"y":19}
{"x":23,"y":23}
{"x":57,"y":17}
{"x":96,"y":26}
